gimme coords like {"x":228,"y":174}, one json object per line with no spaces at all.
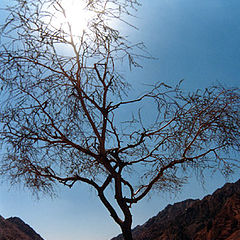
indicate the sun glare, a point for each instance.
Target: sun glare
{"x":75,"y":13}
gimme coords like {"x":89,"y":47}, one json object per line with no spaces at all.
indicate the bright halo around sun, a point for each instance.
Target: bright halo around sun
{"x":74,"y":13}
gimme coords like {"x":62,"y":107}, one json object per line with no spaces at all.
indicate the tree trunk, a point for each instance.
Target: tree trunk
{"x":127,"y":232}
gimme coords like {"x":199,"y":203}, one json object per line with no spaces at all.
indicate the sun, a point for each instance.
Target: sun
{"x":73,"y":13}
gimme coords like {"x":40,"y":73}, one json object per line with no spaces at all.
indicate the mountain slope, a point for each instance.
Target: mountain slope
{"x":15,"y":229}
{"x":216,"y":216}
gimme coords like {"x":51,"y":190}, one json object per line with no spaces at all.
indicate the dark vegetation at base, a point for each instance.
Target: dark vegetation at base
{"x":216,"y":216}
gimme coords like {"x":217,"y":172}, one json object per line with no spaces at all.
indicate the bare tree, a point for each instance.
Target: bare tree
{"x":61,"y":103}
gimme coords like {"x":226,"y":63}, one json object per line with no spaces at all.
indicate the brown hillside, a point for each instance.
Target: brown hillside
{"x":215,"y":217}
{"x":16,"y":229}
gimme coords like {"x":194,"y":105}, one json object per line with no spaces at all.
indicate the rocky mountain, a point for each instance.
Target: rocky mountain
{"x":215,"y":217}
{"x":15,"y":229}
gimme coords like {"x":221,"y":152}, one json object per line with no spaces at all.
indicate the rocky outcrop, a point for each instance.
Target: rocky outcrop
{"x":215,"y":217}
{"x":15,"y":229}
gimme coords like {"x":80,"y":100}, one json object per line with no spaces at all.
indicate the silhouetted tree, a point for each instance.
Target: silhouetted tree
{"x":61,"y":109}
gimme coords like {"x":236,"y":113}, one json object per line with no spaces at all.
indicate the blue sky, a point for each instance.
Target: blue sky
{"x":193,"y":40}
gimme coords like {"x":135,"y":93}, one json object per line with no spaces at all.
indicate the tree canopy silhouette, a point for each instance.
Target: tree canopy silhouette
{"x":62,"y":96}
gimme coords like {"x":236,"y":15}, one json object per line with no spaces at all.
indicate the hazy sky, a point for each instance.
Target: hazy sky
{"x":198,"y":41}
